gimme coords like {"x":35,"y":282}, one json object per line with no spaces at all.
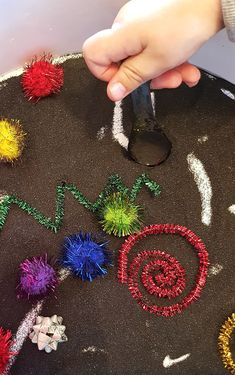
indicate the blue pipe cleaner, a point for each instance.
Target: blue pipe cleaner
{"x":85,"y":255}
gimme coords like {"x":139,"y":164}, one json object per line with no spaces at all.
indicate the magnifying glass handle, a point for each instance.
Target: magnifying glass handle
{"x":148,"y":145}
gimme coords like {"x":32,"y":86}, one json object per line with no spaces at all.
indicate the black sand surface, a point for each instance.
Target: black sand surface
{"x":62,"y":145}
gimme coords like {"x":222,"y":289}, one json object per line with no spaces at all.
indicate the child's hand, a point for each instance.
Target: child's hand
{"x":152,"y":40}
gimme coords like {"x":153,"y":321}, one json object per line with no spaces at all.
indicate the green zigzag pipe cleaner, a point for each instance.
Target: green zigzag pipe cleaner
{"x":114,"y":184}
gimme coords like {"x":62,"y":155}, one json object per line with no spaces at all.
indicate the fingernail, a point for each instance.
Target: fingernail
{"x":118,"y":91}
{"x":191,"y":84}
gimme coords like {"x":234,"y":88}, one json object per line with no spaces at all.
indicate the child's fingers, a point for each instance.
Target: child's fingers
{"x":190,"y":74}
{"x":168,"y":80}
{"x":173,"y":78}
{"x":104,"y":50}
{"x":132,"y":73}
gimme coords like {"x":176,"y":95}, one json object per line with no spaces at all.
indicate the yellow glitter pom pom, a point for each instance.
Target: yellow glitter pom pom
{"x":11,"y":140}
{"x":224,"y":343}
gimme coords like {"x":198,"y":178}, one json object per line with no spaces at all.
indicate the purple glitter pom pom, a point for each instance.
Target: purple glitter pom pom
{"x":37,"y":278}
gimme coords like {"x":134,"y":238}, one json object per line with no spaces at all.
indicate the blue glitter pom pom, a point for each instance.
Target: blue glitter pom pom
{"x":85,"y":255}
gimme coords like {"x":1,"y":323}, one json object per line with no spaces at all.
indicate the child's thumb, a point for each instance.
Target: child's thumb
{"x":132,"y":73}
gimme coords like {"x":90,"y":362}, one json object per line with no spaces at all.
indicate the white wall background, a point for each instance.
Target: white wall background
{"x":218,"y":56}
{"x":29,"y":27}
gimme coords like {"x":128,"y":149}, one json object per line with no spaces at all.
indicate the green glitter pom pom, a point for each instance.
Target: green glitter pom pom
{"x":119,"y":215}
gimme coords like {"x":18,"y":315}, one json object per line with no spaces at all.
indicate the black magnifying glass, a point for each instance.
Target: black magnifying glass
{"x":148,"y":145}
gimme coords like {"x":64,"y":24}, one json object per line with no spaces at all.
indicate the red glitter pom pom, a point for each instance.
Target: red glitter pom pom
{"x":161,"y":274}
{"x":5,"y":344}
{"x":42,"y":78}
